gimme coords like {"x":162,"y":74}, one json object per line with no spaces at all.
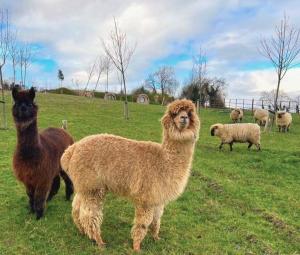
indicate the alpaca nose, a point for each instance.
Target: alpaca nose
{"x":184,"y":119}
{"x":23,"y":108}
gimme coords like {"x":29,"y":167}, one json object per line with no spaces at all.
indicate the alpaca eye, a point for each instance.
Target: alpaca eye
{"x":173,"y":114}
{"x":189,"y":114}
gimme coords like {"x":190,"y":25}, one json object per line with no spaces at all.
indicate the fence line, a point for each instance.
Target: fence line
{"x":252,"y":104}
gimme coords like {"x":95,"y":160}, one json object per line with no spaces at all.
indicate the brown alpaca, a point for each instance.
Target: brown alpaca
{"x":36,"y":158}
{"x":149,"y":174}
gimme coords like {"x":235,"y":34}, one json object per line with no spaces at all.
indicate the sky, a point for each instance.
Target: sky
{"x":67,"y":35}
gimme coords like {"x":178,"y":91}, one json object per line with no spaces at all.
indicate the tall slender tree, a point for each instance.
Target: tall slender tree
{"x":120,"y":53}
{"x":4,"y":51}
{"x":61,"y":77}
{"x":282,"y":50}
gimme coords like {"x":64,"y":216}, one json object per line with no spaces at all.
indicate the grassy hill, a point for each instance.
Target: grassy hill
{"x":240,"y":202}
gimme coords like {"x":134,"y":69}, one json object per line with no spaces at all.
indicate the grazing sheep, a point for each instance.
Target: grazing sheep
{"x":283,"y":121}
{"x":261,"y":116}
{"x":36,"y":160}
{"x":149,"y":174}
{"x":241,"y":133}
{"x":236,"y":115}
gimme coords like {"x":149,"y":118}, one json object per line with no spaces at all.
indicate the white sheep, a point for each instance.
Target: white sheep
{"x":261,"y":116}
{"x":283,"y":121}
{"x":241,"y":133}
{"x":236,"y":115}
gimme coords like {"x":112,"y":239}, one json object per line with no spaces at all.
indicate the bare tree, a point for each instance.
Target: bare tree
{"x":100,"y":67}
{"x":27,"y":54}
{"x":24,"y":57}
{"x":4,"y":51}
{"x":150,"y":83}
{"x":107,"y":65}
{"x":90,"y":72}
{"x":120,"y":54}
{"x":269,"y":97}
{"x":61,"y":77}
{"x":13,"y":52}
{"x":165,"y":80}
{"x":199,"y":69}
{"x":281,"y":49}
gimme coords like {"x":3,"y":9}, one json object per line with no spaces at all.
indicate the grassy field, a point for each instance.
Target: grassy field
{"x":240,"y":202}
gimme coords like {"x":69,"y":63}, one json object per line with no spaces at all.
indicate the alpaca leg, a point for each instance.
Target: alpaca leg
{"x":68,"y":183}
{"x":90,"y":214}
{"x":40,"y":196}
{"x":155,"y":225}
{"x":142,"y":220}
{"x":54,"y":188}
{"x":30,"y":194}
{"x":76,"y":212}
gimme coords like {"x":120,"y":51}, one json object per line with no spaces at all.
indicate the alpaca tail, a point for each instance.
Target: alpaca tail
{"x":66,"y":157}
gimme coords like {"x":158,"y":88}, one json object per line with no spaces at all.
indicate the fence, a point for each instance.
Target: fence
{"x":252,"y":104}
{"x":3,"y":124}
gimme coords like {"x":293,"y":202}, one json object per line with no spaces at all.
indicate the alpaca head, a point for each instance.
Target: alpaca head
{"x":215,"y":129}
{"x":181,"y":121}
{"x":24,"y":109}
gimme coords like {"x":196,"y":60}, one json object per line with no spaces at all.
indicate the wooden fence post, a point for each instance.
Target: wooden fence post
{"x":243,"y":104}
{"x":197,"y":105}
{"x":252,"y":107}
{"x":236,"y":103}
{"x":229,"y":103}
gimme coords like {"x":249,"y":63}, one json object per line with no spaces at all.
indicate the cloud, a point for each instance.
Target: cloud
{"x":229,"y":31}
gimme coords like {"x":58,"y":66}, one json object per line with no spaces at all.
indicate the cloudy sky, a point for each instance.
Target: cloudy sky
{"x":67,"y":35}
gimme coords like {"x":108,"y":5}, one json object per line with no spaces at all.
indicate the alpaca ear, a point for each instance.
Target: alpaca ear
{"x":32,"y":93}
{"x":166,"y":120}
{"x":15,"y":93}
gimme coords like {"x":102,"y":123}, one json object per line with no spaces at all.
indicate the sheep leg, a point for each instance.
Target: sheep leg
{"x":250,"y":144}
{"x":221,"y":145}
{"x":230,"y":144}
{"x":155,"y":225}
{"x":258,"y":146}
{"x":279,"y":129}
{"x":142,"y":220}
{"x":90,"y":214}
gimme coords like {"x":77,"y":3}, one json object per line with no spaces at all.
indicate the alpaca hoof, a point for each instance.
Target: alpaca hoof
{"x":156,"y":238}
{"x":100,"y":243}
{"x":136,"y":247}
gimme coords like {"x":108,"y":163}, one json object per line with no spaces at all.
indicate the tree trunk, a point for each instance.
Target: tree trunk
{"x":61,"y":90}
{"x":126,"y":102}
{"x":107,"y":80}
{"x":25,"y":76}
{"x":3,"y":99}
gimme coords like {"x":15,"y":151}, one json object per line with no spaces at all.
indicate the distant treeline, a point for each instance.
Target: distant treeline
{"x":153,"y":98}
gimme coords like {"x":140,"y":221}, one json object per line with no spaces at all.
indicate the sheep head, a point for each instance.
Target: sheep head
{"x":181,"y":121}
{"x":215,"y":129}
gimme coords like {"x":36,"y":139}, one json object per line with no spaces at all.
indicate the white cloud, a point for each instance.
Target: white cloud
{"x":70,"y":33}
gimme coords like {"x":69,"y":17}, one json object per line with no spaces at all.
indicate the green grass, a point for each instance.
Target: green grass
{"x":240,"y":202}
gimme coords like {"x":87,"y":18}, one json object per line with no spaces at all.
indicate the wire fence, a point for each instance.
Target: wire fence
{"x":252,"y":104}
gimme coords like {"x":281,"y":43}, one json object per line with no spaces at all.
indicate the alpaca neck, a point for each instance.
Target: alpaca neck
{"x":179,"y":151}
{"x":27,"y":138}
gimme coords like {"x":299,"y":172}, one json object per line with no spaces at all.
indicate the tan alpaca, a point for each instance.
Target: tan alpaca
{"x":148,"y":173}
